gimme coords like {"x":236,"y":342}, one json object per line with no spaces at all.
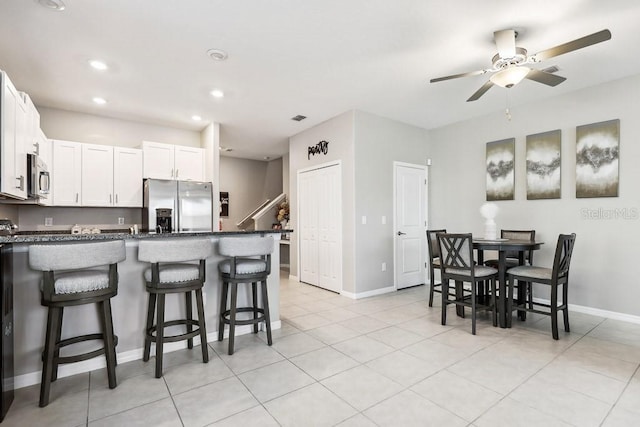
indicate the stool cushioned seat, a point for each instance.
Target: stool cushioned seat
{"x":81,"y":281}
{"x":243,"y":266}
{"x":175,"y":273}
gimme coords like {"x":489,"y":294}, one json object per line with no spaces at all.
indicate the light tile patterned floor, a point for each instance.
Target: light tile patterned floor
{"x":381,"y":361}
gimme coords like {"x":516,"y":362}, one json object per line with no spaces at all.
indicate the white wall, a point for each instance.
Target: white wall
{"x":602,"y":273}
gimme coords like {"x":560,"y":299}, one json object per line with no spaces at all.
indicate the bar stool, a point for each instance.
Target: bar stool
{"x":173,"y":271}
{"x":84,"y":285}
{"x":239,"y":268}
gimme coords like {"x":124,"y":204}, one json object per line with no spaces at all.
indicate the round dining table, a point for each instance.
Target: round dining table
{"x":502,"y":246}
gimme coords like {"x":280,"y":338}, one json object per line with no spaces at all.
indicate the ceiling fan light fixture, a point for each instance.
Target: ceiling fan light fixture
{"x":510,"y":76}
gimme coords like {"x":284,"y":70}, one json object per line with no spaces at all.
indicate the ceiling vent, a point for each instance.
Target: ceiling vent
{"x":552,"y":69}
{"x":298,"y":118}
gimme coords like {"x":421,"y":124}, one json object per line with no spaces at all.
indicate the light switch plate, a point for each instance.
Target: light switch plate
{"x":364,"y":220}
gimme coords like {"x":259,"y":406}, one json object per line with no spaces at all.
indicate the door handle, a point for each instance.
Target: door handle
{"x":400,"y":233}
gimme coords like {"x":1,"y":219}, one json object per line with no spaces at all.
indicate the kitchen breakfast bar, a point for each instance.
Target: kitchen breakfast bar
{"x":129,"y":307}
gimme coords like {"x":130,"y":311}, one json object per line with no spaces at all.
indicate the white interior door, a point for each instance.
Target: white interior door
{"x":410,"y":224}
{"x":320,"y":224}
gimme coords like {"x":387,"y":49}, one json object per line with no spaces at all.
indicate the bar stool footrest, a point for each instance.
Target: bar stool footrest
{"x":173,"y":338}
{"x":83,"y":356}
{"x":225,"y":316}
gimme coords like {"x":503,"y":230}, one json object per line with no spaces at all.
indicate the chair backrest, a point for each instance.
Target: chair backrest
{"x":520,"y":235}
{"x":245,"y":246}
{"x":562,"y":259}
{"x":456,"y":251}
{"x":432,"y":243}
{"x":72,"y":256}
{"x":174,"y":249}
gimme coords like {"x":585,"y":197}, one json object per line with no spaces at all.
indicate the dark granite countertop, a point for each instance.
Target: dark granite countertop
{"x":38,"y":237}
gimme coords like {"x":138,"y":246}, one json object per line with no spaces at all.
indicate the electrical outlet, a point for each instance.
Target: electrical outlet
{"x":48,"y":222}
{"x":120,"y":220}
{"x":384,"y":266}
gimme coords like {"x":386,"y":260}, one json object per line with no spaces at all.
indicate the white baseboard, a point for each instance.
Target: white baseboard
{"x":32,"y":378}
{"x":368,"y":293}
{"x":613,"y":315}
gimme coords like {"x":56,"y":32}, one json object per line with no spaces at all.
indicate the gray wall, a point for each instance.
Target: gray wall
{"x":601,"y":273}
{"x":378,"y":143}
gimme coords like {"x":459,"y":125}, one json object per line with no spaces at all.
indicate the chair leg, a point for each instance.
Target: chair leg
{"x":267,"y":316}
{"x":565,"y":302}
{"x":202,"y":326}
{"x":431,"y":287}
{"x":459,"y":297}
{"x":56,"y":355}
{"x":445,"y":298}
{"x":159,"y":334}
{"x":473,"y":307}
{"x":109,"y":341}
{"x":49,"y":350}
{"x":492,"y":283}
{"x":554,"y":311}
{"x":232,"y":317}
{"x":522,"y":299}
{"x":147,"y":337}
{"x":509,"y":300}
{"x":189,"y":310}
{"x":254,"y":295}
{"x":223,"y":307}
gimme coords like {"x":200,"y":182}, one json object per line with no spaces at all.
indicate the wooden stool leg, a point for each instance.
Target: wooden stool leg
{"x":254,"y":294}
{"x":56,"y":355}
{"x":267,"y":316}
{"x":159,"y":334}
{"x":189,"y":317}
{"x":232,"y":316}
{"x":147,"y":337}
{"x":109,"y":341}
{"x":202,"y":326}
{"x":49,"y":350}
{"x":223,"y":308}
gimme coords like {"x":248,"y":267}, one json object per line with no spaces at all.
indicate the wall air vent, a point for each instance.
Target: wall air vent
{"x":298,"y":118}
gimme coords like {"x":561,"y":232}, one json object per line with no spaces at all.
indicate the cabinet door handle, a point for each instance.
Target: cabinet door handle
{"x":171,"y":173}
{"x":116,"y":198}
{"x":110,"y":198}
{"x":177,"y":170}
{"x":76,"y":197}
{"x":37,"y":150}
{"x":20,"y":180}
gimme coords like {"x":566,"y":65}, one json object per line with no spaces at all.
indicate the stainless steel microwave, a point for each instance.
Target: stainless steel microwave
{"x":38,"y":181}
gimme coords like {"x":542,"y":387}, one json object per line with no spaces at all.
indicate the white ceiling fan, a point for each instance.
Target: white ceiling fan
{"x":510,"y":64}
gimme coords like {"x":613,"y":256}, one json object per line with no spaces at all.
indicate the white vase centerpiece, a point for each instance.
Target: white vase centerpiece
{"x":489,"y":211}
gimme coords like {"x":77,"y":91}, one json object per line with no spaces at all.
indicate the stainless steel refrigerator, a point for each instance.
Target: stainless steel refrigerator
{"x":191,"y":204}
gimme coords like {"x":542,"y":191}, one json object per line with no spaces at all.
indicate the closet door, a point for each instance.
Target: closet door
{"x":320,"y":222}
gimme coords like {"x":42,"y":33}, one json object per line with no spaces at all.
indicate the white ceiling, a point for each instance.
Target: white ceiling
{"x":317,"y":58}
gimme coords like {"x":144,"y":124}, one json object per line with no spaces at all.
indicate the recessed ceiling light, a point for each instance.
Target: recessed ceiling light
{"x":57,"y":5}
{"x":217,"y":54}
{"x":98,"y":65}
{"x":99,"y":101}
{"x":217,"y":93}
{"x":196,"y":118}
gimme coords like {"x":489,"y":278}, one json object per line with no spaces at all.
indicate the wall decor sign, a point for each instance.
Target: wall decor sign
{"x":321,"y":147}
{"x":500,"y":169}
{"x":224,"y":203}
{"x":543,"y":165}
{"x":597,"y":159}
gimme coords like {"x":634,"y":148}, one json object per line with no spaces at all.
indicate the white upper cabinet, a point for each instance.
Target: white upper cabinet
{"x":32,"y":133}
{"x":45,"y":148}
{"x":127,"y":177}
{"x":13,"y":160}
{"x":167,"y":161}
{"x":189,"y":163}
{"x":97,"y":175}
{"x":67,"y":173}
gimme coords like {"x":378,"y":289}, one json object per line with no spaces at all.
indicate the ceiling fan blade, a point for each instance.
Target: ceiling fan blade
{"x":456,"y":76}
{"x":485,"y":87}
{"x":545,"y":78}
{"x":506,"y":43}
{"x":576,"y":44}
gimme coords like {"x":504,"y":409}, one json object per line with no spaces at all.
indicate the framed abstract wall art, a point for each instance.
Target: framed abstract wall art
{"x":597,"y":159}
{"x":500,"y":169}
{"x":543,"y":165}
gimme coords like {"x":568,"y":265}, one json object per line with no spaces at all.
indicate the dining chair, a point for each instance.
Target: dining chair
{"x":456,"y":263}
{"x":434,"y":262}
{"x":513,"y":260}
{"x":553,"y":277}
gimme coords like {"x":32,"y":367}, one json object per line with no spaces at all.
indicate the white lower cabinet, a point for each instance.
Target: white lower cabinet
{"x":67,"y":173}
